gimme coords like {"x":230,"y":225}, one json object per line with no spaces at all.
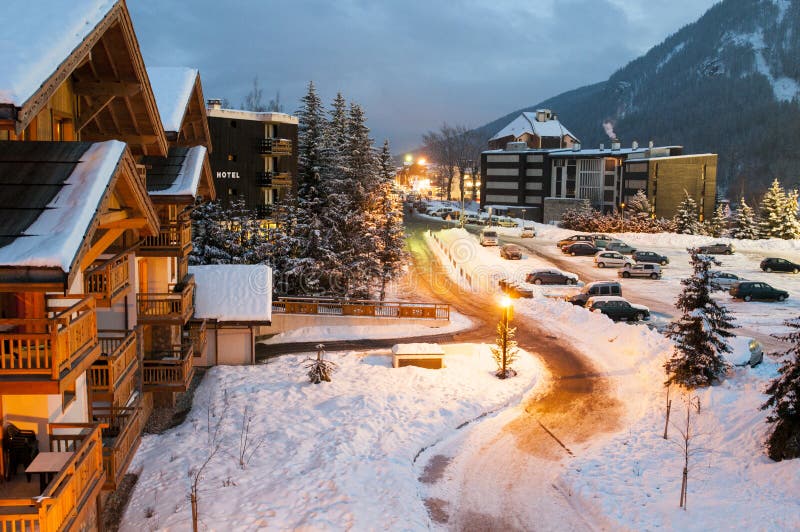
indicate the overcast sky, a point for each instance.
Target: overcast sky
{"x":412,"y":64}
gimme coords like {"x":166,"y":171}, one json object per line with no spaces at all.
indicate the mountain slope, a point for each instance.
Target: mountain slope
{"x":728,"y":83}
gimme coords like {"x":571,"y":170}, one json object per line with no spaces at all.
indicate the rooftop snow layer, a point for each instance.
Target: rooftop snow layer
{"x":54,"y":238}
{"x":233,"y":292}
{"x":38,"y":37}
{"x":172,"y":87}
{"x":187,"y":180}
{"x":527,"y":123}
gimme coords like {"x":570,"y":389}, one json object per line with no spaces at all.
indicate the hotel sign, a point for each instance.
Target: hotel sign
{"x":227,"y":175}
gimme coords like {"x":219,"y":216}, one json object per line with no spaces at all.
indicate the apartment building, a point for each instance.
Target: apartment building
{"x":96,"y":302}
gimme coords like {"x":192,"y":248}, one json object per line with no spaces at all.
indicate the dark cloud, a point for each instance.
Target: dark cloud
{"x":413,"y":64}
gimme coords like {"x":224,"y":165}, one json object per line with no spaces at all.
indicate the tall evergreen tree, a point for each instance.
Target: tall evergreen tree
{"x":686,"y":219}
{"x":210,"y":235}
{"x":778,"y":213}
{"x":700,"y":333}
{"x":718,"y":224}
{"x":745,"y":224}
{"x":391,"y":239}
{"x":783,"y":441}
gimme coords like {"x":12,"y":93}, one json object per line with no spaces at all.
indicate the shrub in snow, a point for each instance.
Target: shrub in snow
{"x":778,"y":213}
{"x":636,"y":220}
{"x":320,"y":370}
{"x":745,"y":224}
{"x":505,"y":350}
{"x":701,"y":331}
{"x":783,"y":442}
{"x":687,"y":218}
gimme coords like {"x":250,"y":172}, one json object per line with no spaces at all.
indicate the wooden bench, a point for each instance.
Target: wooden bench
{"x":429,"y":356}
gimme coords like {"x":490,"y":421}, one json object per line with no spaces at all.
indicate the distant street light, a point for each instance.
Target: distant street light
{"x":622,"y":206}
{"x":523,"y":217}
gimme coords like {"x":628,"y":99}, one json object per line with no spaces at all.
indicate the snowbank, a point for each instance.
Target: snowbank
{"x":335,"y":456}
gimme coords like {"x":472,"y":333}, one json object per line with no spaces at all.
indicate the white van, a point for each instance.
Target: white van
{"x":489,"y":237}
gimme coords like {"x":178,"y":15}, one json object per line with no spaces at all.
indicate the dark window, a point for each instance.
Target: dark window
{"x":233,"y":123}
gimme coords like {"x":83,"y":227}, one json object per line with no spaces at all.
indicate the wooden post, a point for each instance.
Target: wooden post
{"x":193,"y":498}
{"x":669,"y":408}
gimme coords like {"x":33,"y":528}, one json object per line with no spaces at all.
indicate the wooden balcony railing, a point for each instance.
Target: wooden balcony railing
{"x":73,"y":490}
{"x":196,"y":335}
{"x":120,"y":439}
{"x":174,"y":239}
{"x":376,"y":309}
{"x":108,"y":281}
{"x":172,"y":369}
{"x":274,"y":146}
{"x":48,"y":346}
{"x":114,"y":365}
{"x":175,"y":307}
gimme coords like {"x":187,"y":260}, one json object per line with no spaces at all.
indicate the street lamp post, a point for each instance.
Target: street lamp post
{"x":622,"y":206}
{"x":506,"y":304}
{"x":523,"y":217}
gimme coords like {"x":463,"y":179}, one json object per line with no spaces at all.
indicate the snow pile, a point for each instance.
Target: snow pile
{"x":189,"y":177}
{"x":54,"y":238}
{"x":331,"y":333}
{"x":338,"y":455}
{"x":172,"y":87}
{"x":233,"y":292}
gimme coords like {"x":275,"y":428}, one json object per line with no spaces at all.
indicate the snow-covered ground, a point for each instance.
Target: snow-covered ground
{"x":458,"y":322}
{"x":332,"y":456}
{"x":632,"y":479}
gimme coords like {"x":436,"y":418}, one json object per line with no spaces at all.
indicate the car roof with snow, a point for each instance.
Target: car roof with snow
{"x":606,"y":299}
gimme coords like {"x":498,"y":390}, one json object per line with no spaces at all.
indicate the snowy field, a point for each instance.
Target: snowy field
{"x":332,"y":456}
{"x":632,"y":479}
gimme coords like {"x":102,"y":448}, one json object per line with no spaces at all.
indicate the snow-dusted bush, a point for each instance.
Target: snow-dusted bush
{"x":783,"y":441}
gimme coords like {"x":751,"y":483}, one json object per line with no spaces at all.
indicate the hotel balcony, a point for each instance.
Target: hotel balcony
{"x":275,"y":147}
{"x":273,"y":179}
{"x":174,"y":239}
{"x":69,"y":499}
{"x":108,"y":281}
{"x":112,"y":377}
{"x":175,"y":307}
{"x":168,"y":370}
{"x":121,"y":436}
{"x":46,"y":355}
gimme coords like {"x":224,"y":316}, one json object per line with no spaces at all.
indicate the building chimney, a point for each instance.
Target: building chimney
{"x":615,"y":144}
{"x":602,"y":146}
{"x":214,"y":103}
{"x":650,"y":144}
{"x":576,"y":146}
{"x":635,"y":145}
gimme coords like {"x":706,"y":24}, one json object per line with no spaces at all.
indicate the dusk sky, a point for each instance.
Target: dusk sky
{"x":411,"y":64}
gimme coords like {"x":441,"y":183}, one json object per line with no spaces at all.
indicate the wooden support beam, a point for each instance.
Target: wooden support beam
{"x":107,"y":219}
{"x":142,"y":140}
{"x":106,"y":88}
{"x":130,"y":223}
{"x":99,"y":247}
{"x":87,"y":115}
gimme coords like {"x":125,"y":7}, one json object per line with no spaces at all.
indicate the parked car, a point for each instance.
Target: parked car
{"x":505,"y":221}
{"x":779,"y":265}
{"x":749,"y":290}
{"x":528,"y":232}
{"x":724,"y":280}
{"x":515,"y":290}
{"x":618,"y":308}
{"x":580,"y":248}
{"x":596,"y":288}
{"x":601,"y":241}
{"x":652,"y":271}
{"x":574,"y":238}
{"x":620,"y":247}
{"x":550,"y":277}
{"x":511,"y":252}
{"x":440,"y":212}
{"x":650,"y":257}
{"x":488,"y":237}
{"x":611,"y":259}
{"x":717,"y":248}
{"x":474,"y":219}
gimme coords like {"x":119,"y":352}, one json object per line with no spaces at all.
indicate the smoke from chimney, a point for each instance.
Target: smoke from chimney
{"x":609,"y":127}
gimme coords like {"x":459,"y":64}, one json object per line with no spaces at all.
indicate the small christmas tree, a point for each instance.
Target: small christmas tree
{"x":320,"y":370}
{"x":505,"y":350}
{"x":686,"y":219}
{"x":700,"y":333}
{"x":718,"y":223}
{"x":778,"y":213}
{"x":783,"y":442}
{"x":745,"y":224}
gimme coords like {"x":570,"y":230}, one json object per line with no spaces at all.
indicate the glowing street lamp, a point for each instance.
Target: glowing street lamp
{"x":505,"y":303}
{"x":409,"y":158}
{"x":421,"y":161}
{"x":622,"y":206}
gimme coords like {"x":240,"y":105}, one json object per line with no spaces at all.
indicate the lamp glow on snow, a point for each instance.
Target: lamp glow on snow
{"x":421,"y":161}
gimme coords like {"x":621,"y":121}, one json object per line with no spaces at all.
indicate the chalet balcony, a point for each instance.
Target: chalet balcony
{"x":174,"y":307}
{"x":69,"y":500}
{"x":174,"y":239}
{"x":170,"y":370}
{"x":112,"y":377}
{"x":196,"y":335}
{"x":275,"y":147}
{"x":273,"y":179}
{"x":121,"y":436}
{"x":108,"y":281}
{"x":38,"y":355}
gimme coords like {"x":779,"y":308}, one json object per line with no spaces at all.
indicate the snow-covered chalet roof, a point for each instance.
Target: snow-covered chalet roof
{"x":172,"y":87}
{"x":233,"y":292}
{"x":63,"y":204}
{"x":37,"y":37}
{"x":527,"y":123}
{"x":178,"y":174}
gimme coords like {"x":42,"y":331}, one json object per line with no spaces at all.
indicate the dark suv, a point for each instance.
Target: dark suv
{"x":650,"y":257}
{"x":749,"y":290}
{"x":597,"y":288}
{"x":618,"y":308}
{"x":716,"y":249}
{"x":779,"y":265}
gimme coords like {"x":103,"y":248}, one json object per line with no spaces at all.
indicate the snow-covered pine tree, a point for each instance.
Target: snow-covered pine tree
{"x":210,"y":236}
{"x":745,"y":224}
{"x":639,"y":204}
{"x":686,"y":219}
{"x":778,"y":213}
{"x":790,"y":225}
{"x":783,"y":442}
{"x":391,"y":251}
{"x":700,"y":333}
{"x":718,"y":224}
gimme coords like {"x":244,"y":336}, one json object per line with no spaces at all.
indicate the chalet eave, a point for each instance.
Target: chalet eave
{"x":32,"y":279}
